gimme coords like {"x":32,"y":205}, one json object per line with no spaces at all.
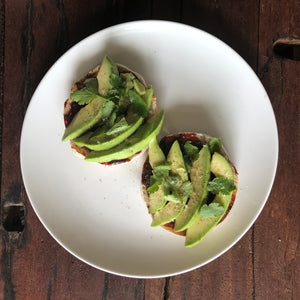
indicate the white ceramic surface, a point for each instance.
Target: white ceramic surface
{"x":96,"y":212}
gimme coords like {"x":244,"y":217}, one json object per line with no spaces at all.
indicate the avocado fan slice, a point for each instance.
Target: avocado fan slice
{"x":220,"y":167}
{"x":156,"y":199}
{"x":105,"y":141}
{"x":87,"y":117}
{"x":200,"y":175}
{"x":133,"y":144}
{"x":172,"y":209}
{"x":107,"y":68}
{"x":156,"y":157}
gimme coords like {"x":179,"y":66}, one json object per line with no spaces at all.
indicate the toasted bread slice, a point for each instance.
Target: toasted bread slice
{"x":198,"y":140}
{"x":71,"y":108}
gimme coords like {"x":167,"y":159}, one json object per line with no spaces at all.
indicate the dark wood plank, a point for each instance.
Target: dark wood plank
{"x":13,"y":70}
{"x":263,"y":265}
{"x":156,"y":289}
{"x":32,"y":256}
{"x":169,"y":10}
{"x":3,"y":269}
{"x":277,"y":231}
{"x":234,"y":22}
{"x":49,"y":29}
{"x":2,"y":43}
{"x":123,"y":288}
{"x":228,"y":277}
{"x":125,"y":11}
{"x":82,"y":18}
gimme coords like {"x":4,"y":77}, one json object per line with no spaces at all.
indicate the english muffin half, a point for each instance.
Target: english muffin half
{"x":111,"y":114}
{"x":189,"y":184}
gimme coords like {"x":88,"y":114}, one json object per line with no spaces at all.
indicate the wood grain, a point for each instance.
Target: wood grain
{"x":264,"y":264}
{"x":277,"y":231}
{"x":12,"y":115}
{"x":234,"y":22}
{"x":3,"y":251}
{"x":228,"y":277}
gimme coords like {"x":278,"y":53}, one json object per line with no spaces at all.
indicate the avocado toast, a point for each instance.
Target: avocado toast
{"x":107,"y":111}
{"x":189,"y":184}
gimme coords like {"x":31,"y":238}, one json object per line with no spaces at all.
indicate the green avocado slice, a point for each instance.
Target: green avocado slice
{"x":135,"y":143}
{"x":139,"y":87}
{"x":108,"y":124}
{"x":167,"y":214}
{"x":172,"y":209}
{"x":104,"y":141}
{"x":220,"y":167}
{"x":156,"y":157}
{"x":178,"y":166}
{"x":200,"y":175}
{"x":107,"y":68}
{"x":87,"y":117}
{"x":156,"y":200}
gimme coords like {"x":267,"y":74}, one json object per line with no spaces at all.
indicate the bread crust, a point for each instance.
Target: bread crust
{"x":199,"y":139}
{"x":71,"y":108}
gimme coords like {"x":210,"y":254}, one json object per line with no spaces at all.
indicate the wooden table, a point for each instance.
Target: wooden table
{"x":264,"y":264}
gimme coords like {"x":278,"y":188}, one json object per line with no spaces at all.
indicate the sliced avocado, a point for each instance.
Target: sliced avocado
{"x":200,"y":175}
{"x":156,"y":155}
{"x":120,"y":126}
{"x":104,"y":141}
{"x":172,"y":209}
{"x":124,"y":101}
{"x":107,"y":68}
{"x":148,"y":96}
{"x":220,"y":167}
{"x":124,"y":104}
{"x":102,"y":128}
{"x":87,"y":117}
{"x":128,"y":77}
{"x":135,"y":143}
{"x":167,"y":214}
{"x":139,"y":87}
{"x":138,"y":103}
{"x":156,"y":200}
{"x":178,"y":165}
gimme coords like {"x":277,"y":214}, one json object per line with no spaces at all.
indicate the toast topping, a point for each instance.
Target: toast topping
{"x":190,"y":184}
{"x":105,"y":109}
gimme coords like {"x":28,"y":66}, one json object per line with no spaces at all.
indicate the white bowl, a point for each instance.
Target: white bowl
{"x":96,"y":212}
